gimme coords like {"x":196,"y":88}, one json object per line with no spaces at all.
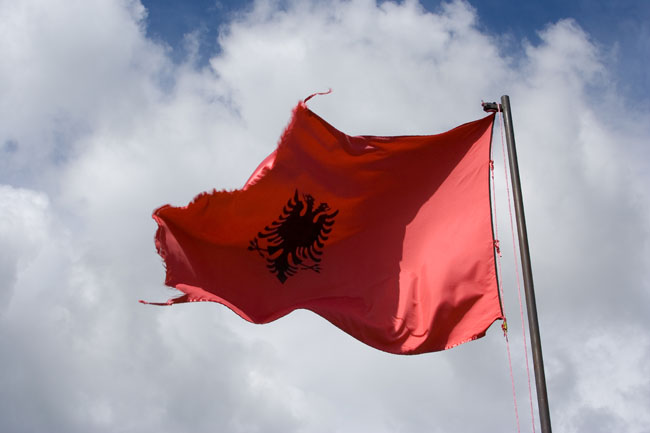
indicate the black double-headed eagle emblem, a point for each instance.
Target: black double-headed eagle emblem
{"x":295,"y":240}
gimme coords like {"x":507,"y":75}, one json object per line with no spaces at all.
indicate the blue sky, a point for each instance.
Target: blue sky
{"x":621,"y":27}
{"x":112,"y":108}
{"x":607,"y":21}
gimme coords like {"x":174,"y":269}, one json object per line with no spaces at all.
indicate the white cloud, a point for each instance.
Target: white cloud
{"x":99,"y":120}
{"x":23,"y":231}
{"x":68,"y":70}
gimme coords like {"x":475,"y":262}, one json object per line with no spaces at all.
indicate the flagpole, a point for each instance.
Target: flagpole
{"x":531,"y":306}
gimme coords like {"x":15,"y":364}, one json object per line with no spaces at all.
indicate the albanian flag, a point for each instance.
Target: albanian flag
{"x":388,"y":238}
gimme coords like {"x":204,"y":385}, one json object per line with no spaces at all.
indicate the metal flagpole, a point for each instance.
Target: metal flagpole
{"x":531,"y":307}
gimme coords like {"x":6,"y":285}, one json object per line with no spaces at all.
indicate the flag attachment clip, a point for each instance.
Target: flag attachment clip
{"x":497,"y":247}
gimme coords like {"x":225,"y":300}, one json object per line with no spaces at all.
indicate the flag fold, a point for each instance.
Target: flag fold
{"x":388,"y":238}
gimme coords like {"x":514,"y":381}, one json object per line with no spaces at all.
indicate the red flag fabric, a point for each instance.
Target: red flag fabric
{"x":388,"y":238}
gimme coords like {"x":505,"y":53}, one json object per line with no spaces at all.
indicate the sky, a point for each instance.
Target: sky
{"x":111,"y":108}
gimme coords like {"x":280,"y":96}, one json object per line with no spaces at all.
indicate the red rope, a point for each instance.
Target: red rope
{"x":504,"y":326}
{"x":514,"y":249}
{"x":317,"y":94}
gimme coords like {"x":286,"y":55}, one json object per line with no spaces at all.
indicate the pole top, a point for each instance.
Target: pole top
{"x":490,"y":107}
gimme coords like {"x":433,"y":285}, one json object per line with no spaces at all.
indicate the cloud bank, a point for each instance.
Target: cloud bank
{"x":98,"y":127}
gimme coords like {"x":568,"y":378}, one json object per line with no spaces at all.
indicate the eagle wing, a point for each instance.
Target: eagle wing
{"x":299,"y":234}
